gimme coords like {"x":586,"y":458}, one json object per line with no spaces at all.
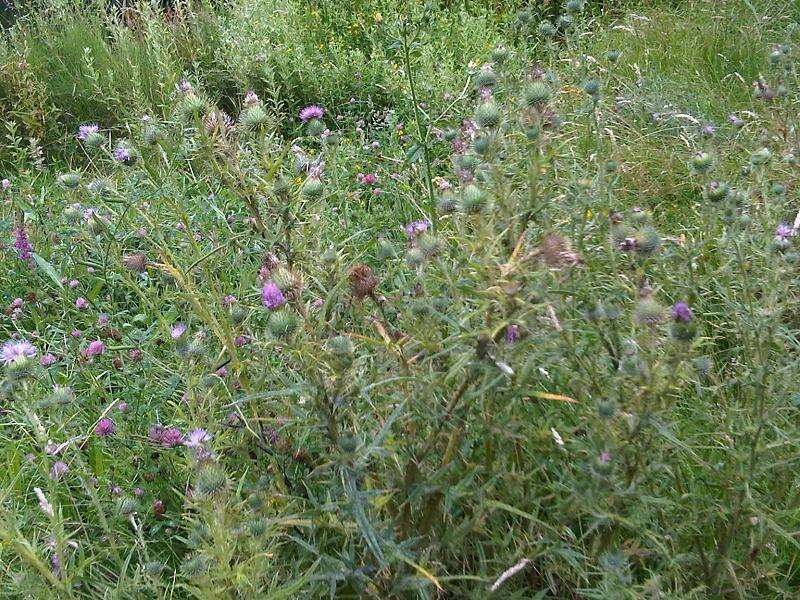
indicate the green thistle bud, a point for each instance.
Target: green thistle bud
{"x":330,"y":257}
{"x":312,"y":188}
{"x":257,"y":527}
{"x":473,"y":200}
{"x":239,"y":314}
{"x":290,"y":282}
{"x":613,"y":56}
{"x":446,"y":202}
{"x":648,"y":240}
{"x":69,"y":180}
{"x":591,"y":87}
{"x":61,"y":394}
{"x":385,"y":250}
{"x":282,"y":323}
{"x":191,"y":106}
{"x":450,"y":135}
{"x":152,"y":134}
{"x":415,"y":257}
{"x":429,"y":244}
{"x":546,"y":29}
{"x":348,"y":443}
{"x":488,"y":115}
{"x":342,"y":351}
{"x":152,"y":568}
{"x":683,"y":332}
{"x":100,"y":187}
{"x":467,"y":162}
{"x":315,"y":127}
{"x":485,"y":78}
{"x":533,"y":132}
{"x":565,"y":22}
{"x":778,"y":189}
{"x":537,"y":94}
{"x":254,"y":117}
{"x":649,"y":312}
{"x":499,"y":54}
{"x":210,"y":480}
{"x":20,"y":368}
{"x":482,"y":144}
{"x":196,"y":566}
{"x":641,"y":217}
{"x":72,"y":214}
{"x":702,"y":162}
{"x":606,"y":409}
{"x":574,"y":6}
{"x":760,"y":157}
{"x":717,"y":191}
{"x":620,"y":232}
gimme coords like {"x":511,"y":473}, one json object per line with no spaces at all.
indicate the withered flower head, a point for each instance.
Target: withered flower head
{"x":362,"y":280}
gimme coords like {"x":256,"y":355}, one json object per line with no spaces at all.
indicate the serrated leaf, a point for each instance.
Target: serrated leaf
{"x":49,"y":269}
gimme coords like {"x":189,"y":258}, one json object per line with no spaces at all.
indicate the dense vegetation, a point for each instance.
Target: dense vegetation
{"x":397,"y":300}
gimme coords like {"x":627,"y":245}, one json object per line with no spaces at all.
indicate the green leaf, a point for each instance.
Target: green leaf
{"x":49,"y":269}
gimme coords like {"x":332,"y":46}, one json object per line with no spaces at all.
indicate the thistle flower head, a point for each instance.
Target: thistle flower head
{"x":311,"y":112}
{"x":14,"y":351}
{"x":271,"y":296}
{"x":84,"y":131}
{"x":681,"y":312}
{"x":105,"y":427}
{"x":196,"y":437}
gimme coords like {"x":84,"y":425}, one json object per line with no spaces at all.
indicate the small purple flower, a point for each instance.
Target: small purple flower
{"x":251,"y":99}
{"x":169,"y":437}
{"x":605,"y":457}
{"x":709,"y":130}
{"x":6,"y":183}
{"x":784,"y":231}
{"x":416,"y":228}
{"x":103,"y":319}
{"x":228,"y":300}
{"x":177,"y":331}
{"x":81,"y":303}
{"x":681,"y":312}
{"x":76,"y":333}
{"x":105,"y":427}
{"x":311,"y":112}
{"x":272,"y":297}
{"x":512,"y":334}
{"x":196,"y":437}
{"x":14,"y":350}
{"x":95,"y":348}
{"x":122,"y":154}
{"x":22,"y":244}
{"x":84,"y":131}
{"x":185,"y":86}
{"x":221,"y":372}
{"x":58,"y":470}
{"x":122,"y":407}
{"x":47,"y":360}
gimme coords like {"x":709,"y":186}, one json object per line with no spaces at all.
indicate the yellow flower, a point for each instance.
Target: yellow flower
{"x":378,"y":17}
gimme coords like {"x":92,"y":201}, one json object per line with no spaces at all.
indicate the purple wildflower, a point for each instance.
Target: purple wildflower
{"x":784,"y":231}
{"x":311,"y":112}
{"x":169,"y":437}
{"x":272,"y":297}
{"x":14,"y":350}
{"x":122,"y":154}
{"x":6,"y":183}
{"x":84,"y":131}
{"x":47,"y":360}
{"x":177,"y":331}
{"x":197,"y":437}
{"x":681,"y":312}
{"x":81,"y":303}
{"x":512,"y":334}
{"x":58,"y":469}
{"x":22,"y":244}
{"x":416,"y":228}
{"x":105,"y":427}
{"x":95,"y":348}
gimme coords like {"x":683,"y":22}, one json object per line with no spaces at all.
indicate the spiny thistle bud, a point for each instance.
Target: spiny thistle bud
{"x":702,"y":162}
{"x":777,"y":189}
{"x":574,"y":6}
{"x":290,"y":282}
{"x":683,"y":328}
{"x":196,"y":566}
{"x":191,"y":106}
{"x":73,"y":213}
{"x":95,"y":140}
{"x":415,"y":257}
{"x":135,"y":262}
{"x":565,"y":22}
{"x":330,"y":257}
{"x":613,"y":56}
{"x":362,"y":280}
{"x":429,"y":244}
{"x":254,"y":117}
{"x":152,"y":134}
{"x":648,"y":312}
{"x":482,"y":144}
{"x":717,"y":191}
{"x":69,"y":180}
{"x":348,"y":443}
{"x":282,"y":323}
{"x":341,"y":350}
{"x":488,"y":115}
{"x":537,"y":94}
{"x":533,"y":132}
{"x":256,"y":527}
{"x":315,"y":127}
{"x":385,"y":250}
{"x":446,"y":202}
{"x":647,"y":240}
{"x":100,"y":187}
{"x":62,"y":394}
{"x":312,"y":188}
{"x":210,"y":480}
{"x":592,"y":88}
{"x":546,"y":29}
{"x":485,"y":78}
{"x":472,"y":200}
{"x":641,"y":217}
{"x":499,"y":54}
{"x":760,"y":157}
{"x":153,"y":568}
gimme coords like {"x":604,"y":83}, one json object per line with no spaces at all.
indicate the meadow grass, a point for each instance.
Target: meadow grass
{"x":395,"y":300}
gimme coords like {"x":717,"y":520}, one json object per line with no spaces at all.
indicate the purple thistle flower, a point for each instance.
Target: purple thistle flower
{"x":416,"y":228}
{"x":105,"y":427}
{"x":84,"y":131}
{"x":177,"y":331}
{"x":196,"y":437}
{"x":311,"y":112}
{"x":512,"y":334}
{"x":122,"y":154}
{"x":169,"y":437}
{"x":272,"y":297}
{"x":6,"y":183}
{"x":784,"y":231}
{"x":22,"y":244}
{"x":58,"y":470}
{"x":95,"y":348}
{"x":14,"y":350}
{"x":47,"y":360}
{"x":681,"y":312}
{"x":81,"y":303}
